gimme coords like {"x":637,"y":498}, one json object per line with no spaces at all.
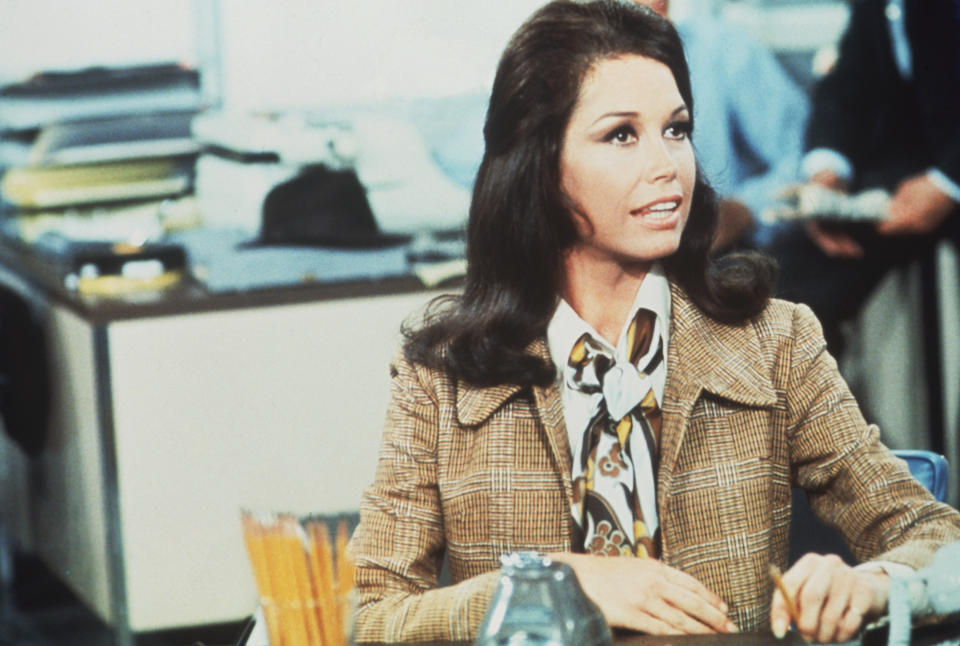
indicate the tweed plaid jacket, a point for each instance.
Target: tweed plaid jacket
{"x":748,"y":412}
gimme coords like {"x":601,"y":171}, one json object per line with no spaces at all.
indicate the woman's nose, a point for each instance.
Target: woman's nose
{"x":661,"y":163}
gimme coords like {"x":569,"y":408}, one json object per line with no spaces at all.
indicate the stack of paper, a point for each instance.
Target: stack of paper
{"x":98,"y":155}
{"x":51,"y":97}
{"x":34,"y":187}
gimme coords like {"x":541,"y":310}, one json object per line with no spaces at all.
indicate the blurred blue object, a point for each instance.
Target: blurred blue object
{"x":935,"y":588}
{"x":929,"y":468}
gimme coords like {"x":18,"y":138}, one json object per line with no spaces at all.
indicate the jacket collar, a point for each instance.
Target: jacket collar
{"x":476,"y":404}
{"x":718,"y":358}
{"x":703,"y":355}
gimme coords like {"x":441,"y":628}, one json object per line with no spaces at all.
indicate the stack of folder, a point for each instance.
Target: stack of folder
{"x":104,"y":160}
{"x":101,"y":155}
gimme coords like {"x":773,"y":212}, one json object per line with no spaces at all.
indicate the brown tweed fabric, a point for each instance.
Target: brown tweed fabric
{"x":748,"y":410}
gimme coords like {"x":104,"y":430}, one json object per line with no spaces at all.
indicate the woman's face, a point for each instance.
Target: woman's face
{"x":627,"y":162}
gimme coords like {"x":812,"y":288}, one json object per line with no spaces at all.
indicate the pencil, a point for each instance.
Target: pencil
{"x":255,"y":538}
{"x":778,"y":582}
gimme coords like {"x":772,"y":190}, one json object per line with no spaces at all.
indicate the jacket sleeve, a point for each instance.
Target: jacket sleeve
{"x":853,"y":86}
{"x":853,"y":481}
{"x":399,"y":545}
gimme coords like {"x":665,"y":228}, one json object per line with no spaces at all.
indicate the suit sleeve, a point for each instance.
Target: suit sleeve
{"x":773,"y":129}
{"x":853,"y":481}
{"x":853,"y":86}
{"x":398,"y":546}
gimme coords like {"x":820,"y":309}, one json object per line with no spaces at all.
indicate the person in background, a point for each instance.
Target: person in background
{"x":752,"y":118}
{"x":604,"y":388}
{"x":885,"y":116}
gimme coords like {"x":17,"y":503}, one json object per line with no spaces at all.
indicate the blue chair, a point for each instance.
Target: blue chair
{"x":807,"y":534}
{"x":929,"y":468}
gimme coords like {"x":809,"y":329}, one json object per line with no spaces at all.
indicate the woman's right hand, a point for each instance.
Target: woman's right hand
{"x":646,"y":595}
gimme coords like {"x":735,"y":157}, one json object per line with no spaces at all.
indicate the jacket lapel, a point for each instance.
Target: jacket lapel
{"x":550,"y":408}
{"x":705,"y":356}
{"x":476,"y":405}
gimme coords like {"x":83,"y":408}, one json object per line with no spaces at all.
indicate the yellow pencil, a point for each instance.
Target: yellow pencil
{"x":255,"y":538}
{"x":778,"y":582}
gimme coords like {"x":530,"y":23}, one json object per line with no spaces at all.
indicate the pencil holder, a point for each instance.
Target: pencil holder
{"x":304,"y":579}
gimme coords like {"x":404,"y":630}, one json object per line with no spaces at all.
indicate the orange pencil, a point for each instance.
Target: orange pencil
{"x":255,"y":540}
{"x":306,"y":601}
{"x":345,"y":571}
{"x":322,"y":565}
{"x":294,"y":631}
{"x":344,"y":563}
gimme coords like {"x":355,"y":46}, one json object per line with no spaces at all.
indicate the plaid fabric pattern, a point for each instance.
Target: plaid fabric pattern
{"x":748,"y":410}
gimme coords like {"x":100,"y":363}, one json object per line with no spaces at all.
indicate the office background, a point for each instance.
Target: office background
{"x":302,"y":55}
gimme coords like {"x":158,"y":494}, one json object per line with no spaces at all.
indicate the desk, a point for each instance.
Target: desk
{"x":928,"y":636}
{"x":171,"y":414}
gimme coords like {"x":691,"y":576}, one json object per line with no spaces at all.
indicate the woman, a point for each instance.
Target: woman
{"x":603,"y":387}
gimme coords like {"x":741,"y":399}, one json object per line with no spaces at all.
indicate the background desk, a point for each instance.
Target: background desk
{"x":170,"y":416}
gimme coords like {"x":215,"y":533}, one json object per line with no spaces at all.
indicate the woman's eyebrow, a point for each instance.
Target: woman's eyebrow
{"x":634,"y":114}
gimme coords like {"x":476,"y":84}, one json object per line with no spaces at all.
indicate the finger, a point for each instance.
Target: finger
{"x":839,"y":596}
{"x":812,"y":593}
{"x":699,"y":609}
{"x":851,"y":248}
{"x":679,"y":620}
{"x":901,"y":217}
{"x":800,"y":571}
{"x":892,"y":226}
{"x":849,"y":625}
{"x":816,"y":233}
{"x":834,"y":243}
{"x":780,"y":615}
{"x":825,"y":241}
{"x":694,"y":586}
{"x":889,"y":226}
{"x":651,"y":625}
{"x":843,"y":246}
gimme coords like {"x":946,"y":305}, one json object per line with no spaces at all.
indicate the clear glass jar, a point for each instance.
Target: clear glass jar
{"x":538,"y":602}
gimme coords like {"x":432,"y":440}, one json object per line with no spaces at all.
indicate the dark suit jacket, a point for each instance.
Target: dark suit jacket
{"x":887,"y":126}
{"x":748,"y":411}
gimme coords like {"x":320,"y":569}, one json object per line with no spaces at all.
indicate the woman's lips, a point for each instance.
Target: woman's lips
{"x":662,"y":213}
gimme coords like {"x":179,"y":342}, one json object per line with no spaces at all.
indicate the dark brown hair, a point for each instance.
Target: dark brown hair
{"x":520,"y":220}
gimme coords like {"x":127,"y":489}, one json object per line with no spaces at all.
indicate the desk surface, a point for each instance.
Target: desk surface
{"x":40,"y":276}
{"x":948,"y":633}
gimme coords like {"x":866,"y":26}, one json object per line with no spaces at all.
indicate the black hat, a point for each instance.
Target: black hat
{"x":322,"y":207}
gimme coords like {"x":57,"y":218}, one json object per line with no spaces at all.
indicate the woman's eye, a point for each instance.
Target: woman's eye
{"x":679,"y":130}
{"x":622,"y":135}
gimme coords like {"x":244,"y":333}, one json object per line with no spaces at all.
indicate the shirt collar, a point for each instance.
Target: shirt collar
{"x":566,"y":326}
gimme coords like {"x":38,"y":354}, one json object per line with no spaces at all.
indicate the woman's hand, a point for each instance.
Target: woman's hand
{"x":646,"y":595}
{"x":832,"y":598}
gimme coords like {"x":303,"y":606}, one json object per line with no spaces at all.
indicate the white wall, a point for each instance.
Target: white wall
{"x":294,"y":53}
{"x":291,"y":53}
{"x":311,"y":52}
{"x":72,"y":34}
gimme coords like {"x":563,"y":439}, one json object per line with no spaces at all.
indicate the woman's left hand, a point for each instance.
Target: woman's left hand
{"x":832,"y":598}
